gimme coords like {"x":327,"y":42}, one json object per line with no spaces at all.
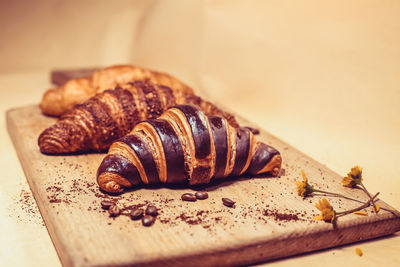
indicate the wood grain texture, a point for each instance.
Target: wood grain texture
{"x":83,"y":234}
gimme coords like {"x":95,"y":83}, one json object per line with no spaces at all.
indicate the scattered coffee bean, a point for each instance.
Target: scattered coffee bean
{"x":228,"y":202}
{"x":114,"y":211}
{"x":136,"y":214}
{"x":201,"y":195}
{"x":188,"y":197}
{"x":106,"y":204}
{"x":151,"y":210}
{"x":148,"y":220}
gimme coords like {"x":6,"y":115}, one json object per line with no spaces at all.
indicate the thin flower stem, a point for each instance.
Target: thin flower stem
{"x":337,"y":195}
{"x":358,"y":208}
{"x":369,"y":195}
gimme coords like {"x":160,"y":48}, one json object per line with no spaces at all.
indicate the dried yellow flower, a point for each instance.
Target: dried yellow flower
{"x":327,"y":211}
{"x":303,"y":188}
{"x":359,"y":252}
{"x":348,"y":182}
{"x":303,"y":174}
{"x":363,"y":213}
{"x":378,"y":208}
{"x":353,"y":178}
{"x":355,"y":172}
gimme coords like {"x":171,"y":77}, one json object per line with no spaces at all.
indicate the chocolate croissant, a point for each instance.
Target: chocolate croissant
{"x":184,"y":144}
{"x":58,"y":101}
{"x":95,"y":124}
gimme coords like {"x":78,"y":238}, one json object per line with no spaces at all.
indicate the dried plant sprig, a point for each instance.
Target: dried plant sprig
{"x":328,"y":213}
{"x":304,"y":189}
{"x":365,"y":205}
{"x":354,"y":179}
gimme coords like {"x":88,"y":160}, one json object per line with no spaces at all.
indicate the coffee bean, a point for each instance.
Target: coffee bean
{"x":151,"y":210}
{"x":114,"y":211}
{"x":136,"y":214}
{"x":106,"y":204}
{"x":148,"y":220}
{"x":188,"y":197}
{"x":201,"y":195}
{"x":228,"y":202}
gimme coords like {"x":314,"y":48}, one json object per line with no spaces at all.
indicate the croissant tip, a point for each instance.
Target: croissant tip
{"x":46,"y":151}
{"x":50,"y":103}
{"x":277,"y":168}
{"x":52,"y":147}
{"x":112,"y":187}
{"x":47,"y":147}
{"x":275,"y":171}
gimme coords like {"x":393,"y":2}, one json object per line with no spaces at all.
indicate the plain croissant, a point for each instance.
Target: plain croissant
{"x":58,"y":101}
{"x":184,"y":144}
{"x":95,"y":124}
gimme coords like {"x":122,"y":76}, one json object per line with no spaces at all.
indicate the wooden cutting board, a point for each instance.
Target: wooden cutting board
{"x":269,"y":220}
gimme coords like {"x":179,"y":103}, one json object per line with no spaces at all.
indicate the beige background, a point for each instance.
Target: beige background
{"x":323,"y":76}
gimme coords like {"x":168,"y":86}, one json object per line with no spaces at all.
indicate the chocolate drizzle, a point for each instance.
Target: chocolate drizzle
{"x":128,"y":106}
{"x":198,"y":125}
{"x":120,"y":165}
{"x":100,"y":115}
{"x":145,"y":156}
{"x":242,"y":149}
{"x":219,"y":133}
{"x":175,"y":162}
{"x":261,"y":157}
{"x":153,"y":102}
{"x":169,"y":98}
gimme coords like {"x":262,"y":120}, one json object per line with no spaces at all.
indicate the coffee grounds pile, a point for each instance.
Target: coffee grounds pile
{"x":278,"y":216}
{"x":197,"y":218}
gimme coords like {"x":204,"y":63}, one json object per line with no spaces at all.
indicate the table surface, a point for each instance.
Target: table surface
{"x":26,"y":242}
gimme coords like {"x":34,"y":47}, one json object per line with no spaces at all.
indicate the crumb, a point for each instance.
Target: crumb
{"x":359,"y":252}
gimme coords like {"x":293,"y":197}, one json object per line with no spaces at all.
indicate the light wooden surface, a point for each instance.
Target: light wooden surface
{"x":322,"y":76}
{"x":26,"y":242}
{"x":83,"y":234}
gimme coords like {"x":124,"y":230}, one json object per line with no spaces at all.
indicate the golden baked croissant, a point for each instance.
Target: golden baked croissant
{"x":95,"y":124}
{"x":184,"y":144}
{"x":58,"y":101}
